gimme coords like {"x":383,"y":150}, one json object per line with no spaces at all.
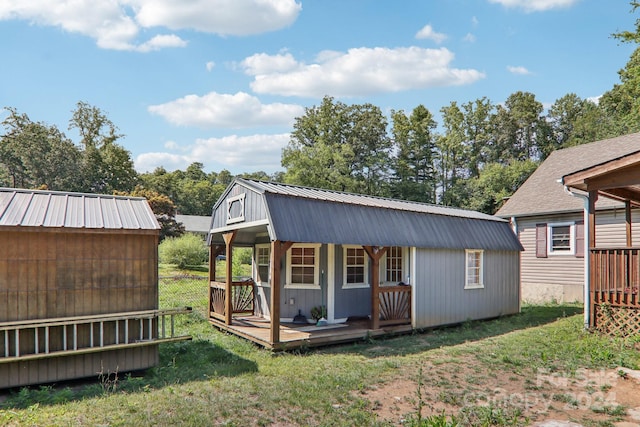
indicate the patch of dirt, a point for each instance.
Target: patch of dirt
{"x":586,"y":396}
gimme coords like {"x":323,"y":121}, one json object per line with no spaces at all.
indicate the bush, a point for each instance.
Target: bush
{"x":183,"y":251}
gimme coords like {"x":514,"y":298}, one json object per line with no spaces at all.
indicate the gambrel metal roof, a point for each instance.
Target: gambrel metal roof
{"x":53,"y":209}
{"x":311,"y":215}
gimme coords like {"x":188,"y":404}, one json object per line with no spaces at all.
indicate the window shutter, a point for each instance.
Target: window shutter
{"x":579,"y":239}
{"x":541,"y":240}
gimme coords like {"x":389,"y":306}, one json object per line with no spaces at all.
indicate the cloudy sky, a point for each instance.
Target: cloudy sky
{"x":221,"y":81}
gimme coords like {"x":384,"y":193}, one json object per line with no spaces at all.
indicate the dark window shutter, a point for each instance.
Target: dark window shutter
{"x":541,"y":240}
{"x":580,"y":239}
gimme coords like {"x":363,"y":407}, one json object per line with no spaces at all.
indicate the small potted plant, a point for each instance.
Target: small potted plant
{"x":319,"y":312}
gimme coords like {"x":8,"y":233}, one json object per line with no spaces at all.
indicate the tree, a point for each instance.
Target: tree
{"x":452,"y":156}
{"x":163,"y":208}
{"x":106,"y":166}
{"x":35,"y":155}
{"x":414,"y":163}
{"x":623,"y":101}
{"x":478,"y":133}
{"x":497,"y":182}
{"x":339,"y":147}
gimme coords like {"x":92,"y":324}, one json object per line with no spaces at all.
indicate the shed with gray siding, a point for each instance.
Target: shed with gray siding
{"x":361,"y":255}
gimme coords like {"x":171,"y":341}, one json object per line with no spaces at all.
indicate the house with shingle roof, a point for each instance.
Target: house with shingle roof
{"x":549,"y":221}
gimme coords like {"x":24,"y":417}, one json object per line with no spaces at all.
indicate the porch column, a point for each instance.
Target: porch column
{"x":228,"y":306}
{"x":627,"y":216}
{"x":278,"y":249}
{"x":214,"y":251}
{"x":375,"y":253}
{"x":588,"y":300}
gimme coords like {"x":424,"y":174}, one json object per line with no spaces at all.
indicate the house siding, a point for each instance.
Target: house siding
{"x":439,"y":294}
{"x":560,"y":278}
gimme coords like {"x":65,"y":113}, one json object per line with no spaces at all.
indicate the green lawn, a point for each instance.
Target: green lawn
{"x":219,"y":379}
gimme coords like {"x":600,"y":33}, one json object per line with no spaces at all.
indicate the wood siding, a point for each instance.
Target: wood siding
{"x":254,"y":209}
{"x":46,"y":275}
{"x":561,"y":277}
{"x":439,"y":294}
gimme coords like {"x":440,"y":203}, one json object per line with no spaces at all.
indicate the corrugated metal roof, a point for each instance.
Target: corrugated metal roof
{"x":308,"y":215}
{"x":360,"y":199}
{"x":53,"y":209}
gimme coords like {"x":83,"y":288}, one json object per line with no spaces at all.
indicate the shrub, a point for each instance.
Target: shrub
{"x":183,"y":251}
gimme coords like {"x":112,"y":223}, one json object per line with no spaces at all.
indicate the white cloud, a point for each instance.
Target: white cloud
{"x":535,"y":5}
{"x":116,"y":24}
{"x":474,"y":21}
{"x":427,"y":32}
{"x":243,"y":153}
{"x":240,"y":110}
{"x":518,"y":70}
{"x":470,"y":38}
{"x":361,"y":71}
{"x":210,"y":65}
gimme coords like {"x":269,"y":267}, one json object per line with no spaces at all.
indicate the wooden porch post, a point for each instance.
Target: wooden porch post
{"x":627,"y":216}
{"x":278,"y":249}
{"x":214,"y":251}
{"x":375,"y":253}
{"x":228,"y":306}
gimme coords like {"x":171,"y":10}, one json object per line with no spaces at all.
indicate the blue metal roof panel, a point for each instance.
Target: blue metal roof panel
{"x":360,"y":199}
{"x":310,"y":220}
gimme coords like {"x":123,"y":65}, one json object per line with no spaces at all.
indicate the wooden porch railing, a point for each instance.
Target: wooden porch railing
{"x":395,"y":305}
{"x":615,"y":276}
{"x":242,"y":300}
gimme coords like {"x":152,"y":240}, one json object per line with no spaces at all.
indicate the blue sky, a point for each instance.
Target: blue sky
{"x":221,"y":81}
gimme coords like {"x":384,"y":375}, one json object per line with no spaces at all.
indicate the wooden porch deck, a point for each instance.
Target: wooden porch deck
{"x":294,"y":336}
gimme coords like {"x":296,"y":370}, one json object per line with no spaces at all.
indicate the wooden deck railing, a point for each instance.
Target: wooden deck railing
{"x":395,"y":305}
{"x":242,"y":300}
{"x":615,"y":276}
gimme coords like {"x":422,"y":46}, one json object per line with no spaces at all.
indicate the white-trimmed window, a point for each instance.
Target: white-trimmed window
{"x":303,"y":266}
{"x":355,"y":267}
{"x":394,"y":266}
{"x":561,"y":238}
{"x":262,"y":262}
{"x":473,"y":271}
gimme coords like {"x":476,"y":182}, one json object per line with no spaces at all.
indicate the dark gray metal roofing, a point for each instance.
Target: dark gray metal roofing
{"x":308,"y":215}
{"x":53,"y":209}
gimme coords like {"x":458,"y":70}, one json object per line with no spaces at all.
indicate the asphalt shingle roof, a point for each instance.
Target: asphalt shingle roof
{"x":542,"y":193}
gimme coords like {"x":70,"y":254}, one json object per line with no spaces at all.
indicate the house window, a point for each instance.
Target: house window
{"x":394,"y":263}
{"x":303,"y":267}
{"x":561,"y":239}
{"x":262,"y":260}
{"x":356,"y":273}
{"x":473,"y":275}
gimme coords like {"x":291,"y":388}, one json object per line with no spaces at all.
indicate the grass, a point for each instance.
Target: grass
{"x":220,"y":379}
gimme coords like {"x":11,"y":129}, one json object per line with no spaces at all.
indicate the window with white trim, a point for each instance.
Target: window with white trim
{"x":394,"y":264}
{"x":561,"y":239}
{"x":303,"y":266}
{"x":355,"y":267}
{"x":473,"y":271}
{"x":262,"y":261}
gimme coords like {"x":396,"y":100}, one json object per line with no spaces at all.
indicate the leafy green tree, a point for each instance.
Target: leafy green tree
{"x":184,"y":251}
{"x":496,"y":182}
{"x":452,"y":156}
{"x":339,"y":147}
{"x":35,"y":155}
{"x":106,"y":166}
{"x":163,"y":208}
{"x":478,"y":133}
{"x":415,"y":162}
{"x":623,"y":101}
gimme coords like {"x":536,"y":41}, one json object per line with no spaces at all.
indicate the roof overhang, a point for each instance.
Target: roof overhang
{"x":618,"y":179}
